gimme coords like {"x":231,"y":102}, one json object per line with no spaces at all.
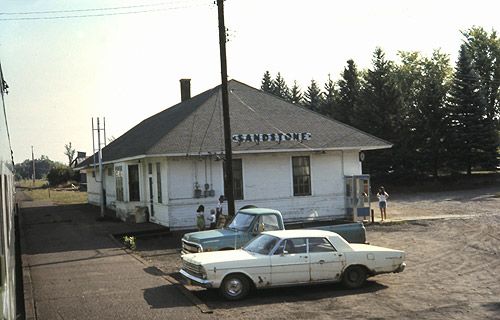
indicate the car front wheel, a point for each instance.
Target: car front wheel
{"x":354,"y":277}
{"x":235,"y":287}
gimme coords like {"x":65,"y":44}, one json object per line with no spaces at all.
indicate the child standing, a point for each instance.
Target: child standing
{"x":212,"y":219}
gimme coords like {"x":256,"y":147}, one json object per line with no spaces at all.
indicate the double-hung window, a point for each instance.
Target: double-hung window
{"x":301,"y":168}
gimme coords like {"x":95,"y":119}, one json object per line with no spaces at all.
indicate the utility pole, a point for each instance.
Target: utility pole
{"x":228,"y":177}
{"x":98,"y":151}
{"x":33,"y":161}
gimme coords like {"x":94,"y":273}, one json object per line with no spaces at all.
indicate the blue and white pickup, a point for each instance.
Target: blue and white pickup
{"x":249,"y":223}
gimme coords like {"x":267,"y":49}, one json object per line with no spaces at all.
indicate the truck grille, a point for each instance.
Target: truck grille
{"x":189,"y":247}
{"x":193,"y":269}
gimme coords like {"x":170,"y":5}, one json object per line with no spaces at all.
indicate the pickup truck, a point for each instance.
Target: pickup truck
{"x":249,"y":223}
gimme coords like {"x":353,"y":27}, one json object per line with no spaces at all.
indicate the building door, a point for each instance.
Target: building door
{"x":357,"y":196}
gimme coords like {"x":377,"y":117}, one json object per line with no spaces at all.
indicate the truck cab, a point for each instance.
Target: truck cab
{"x":247,"y":224}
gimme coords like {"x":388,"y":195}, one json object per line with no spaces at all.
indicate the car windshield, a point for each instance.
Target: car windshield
{"x":241,"y":221}
{"x":262,"y":244}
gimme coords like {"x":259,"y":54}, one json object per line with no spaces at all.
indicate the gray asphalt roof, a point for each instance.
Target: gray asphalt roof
{"x":195,"y":126}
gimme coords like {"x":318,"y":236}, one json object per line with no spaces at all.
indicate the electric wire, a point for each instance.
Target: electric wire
{"x":210,"y":121}
{"x":90,"y":9}
{"x":104,"y":14}
{"x":2,"y":89}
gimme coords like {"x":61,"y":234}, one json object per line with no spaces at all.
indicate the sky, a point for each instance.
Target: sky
{"x":124,"y":65}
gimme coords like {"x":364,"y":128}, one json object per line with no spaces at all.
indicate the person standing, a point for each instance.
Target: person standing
{"x":200,"y":218}
{"x":219,"y":217}
{"x":212,"y":219}
{"x":382,"y":202}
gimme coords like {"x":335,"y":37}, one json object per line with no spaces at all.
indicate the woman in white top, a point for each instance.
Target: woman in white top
{"x":382,"y":202}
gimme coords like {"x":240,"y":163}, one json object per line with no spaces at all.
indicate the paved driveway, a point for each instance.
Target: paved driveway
{"x":75,"y":270}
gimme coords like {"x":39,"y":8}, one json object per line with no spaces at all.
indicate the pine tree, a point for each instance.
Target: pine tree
{"x":378,"y":112}
{"x":267,"y":82}
{"x":279,"y":87}
{"x":330,"y":98}
{"x":295,"y":94}
{"x":465,"y":114}
{"x":313,"y":98}
{"x":484,"y":50}
{"x":424,"y":84}
{"x":347,"y":94}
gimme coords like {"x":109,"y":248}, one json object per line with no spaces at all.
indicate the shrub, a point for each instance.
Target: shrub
{"x":60,"y":175}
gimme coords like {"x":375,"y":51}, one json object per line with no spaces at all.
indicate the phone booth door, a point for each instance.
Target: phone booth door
{"x":357,"y":197}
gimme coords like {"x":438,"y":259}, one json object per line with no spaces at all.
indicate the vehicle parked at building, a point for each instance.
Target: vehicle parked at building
{"x":248,"y":223}
{"x":289,"y":257}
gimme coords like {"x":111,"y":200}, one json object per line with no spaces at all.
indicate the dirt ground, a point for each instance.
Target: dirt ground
{"x":453,"y":267}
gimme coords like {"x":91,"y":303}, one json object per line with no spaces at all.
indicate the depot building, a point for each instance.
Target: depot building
{"x":285,"y":157}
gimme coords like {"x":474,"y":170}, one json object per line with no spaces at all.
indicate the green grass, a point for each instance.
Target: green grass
{"x":29,"y":183}
{"x":58,"y":197}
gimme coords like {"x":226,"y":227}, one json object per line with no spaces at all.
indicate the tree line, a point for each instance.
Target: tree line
{"x":440,"y":119}
{"x":55,"y":172}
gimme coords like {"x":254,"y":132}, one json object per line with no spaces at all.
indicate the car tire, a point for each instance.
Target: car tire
{"x":354,"y":277}
{"x":235,"y":287}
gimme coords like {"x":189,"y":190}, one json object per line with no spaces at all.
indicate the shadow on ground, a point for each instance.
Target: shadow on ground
{"x":287,"y":294}
{"x":60,"y":228}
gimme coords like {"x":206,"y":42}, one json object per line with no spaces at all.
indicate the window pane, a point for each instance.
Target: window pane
{"x":119,"y":183}
{"x":237,"y":179}
{"x":301,"y":176}
{"x":320,"y":245}
{"x":133,"y":182}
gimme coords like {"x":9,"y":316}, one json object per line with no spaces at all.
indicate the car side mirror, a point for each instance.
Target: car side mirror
{"x":284,"y":252}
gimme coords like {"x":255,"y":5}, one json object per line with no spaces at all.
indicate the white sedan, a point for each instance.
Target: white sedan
{"x":289,"y":257}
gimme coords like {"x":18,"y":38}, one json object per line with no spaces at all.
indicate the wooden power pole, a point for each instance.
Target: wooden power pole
{"x":228,"y":176}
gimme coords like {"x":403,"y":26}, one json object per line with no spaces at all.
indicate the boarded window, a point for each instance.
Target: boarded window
{"x":133,"y":183}
{"x":301,"y":176}
{"x":119,"y":183}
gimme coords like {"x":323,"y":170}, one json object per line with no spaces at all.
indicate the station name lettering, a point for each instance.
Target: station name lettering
{"x":277,"y":137}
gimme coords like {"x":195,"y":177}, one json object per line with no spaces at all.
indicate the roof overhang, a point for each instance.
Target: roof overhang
{"x":208,"y":153}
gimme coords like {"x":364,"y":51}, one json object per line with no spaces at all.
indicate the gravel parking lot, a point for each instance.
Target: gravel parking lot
{"x":453,"y":267}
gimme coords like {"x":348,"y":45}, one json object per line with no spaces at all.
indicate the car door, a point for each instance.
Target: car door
{"x":290,"y":262}
{"x":325,"y":262}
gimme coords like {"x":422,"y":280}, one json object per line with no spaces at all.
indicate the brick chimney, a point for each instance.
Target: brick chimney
{"x":185,"y":89}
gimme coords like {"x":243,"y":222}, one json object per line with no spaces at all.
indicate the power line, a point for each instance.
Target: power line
{"x":86,"y":10}
{"x":103,"y":14}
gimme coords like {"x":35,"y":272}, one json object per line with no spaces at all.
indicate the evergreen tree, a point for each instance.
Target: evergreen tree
{"x":313,"y":98}
{"x":295,"y":94}
{"x":347,"y":94}
{"x":330,"y":98}
{"x":279,"y":87}
{"x":424,"y":84}
{"x":484,"y":50}
{"x":267,"y":83}
{"x":465,"y":114}
{"x":378,"y":112}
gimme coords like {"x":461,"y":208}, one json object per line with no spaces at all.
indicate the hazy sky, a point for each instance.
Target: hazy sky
{"x":63,"y":72}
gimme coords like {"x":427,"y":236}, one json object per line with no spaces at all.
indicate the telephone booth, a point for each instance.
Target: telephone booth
{"x":357,"y":197}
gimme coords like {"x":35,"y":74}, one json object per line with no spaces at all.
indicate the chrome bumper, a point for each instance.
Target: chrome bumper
{"x":400,"y":268}
{"x":195,"y":280}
